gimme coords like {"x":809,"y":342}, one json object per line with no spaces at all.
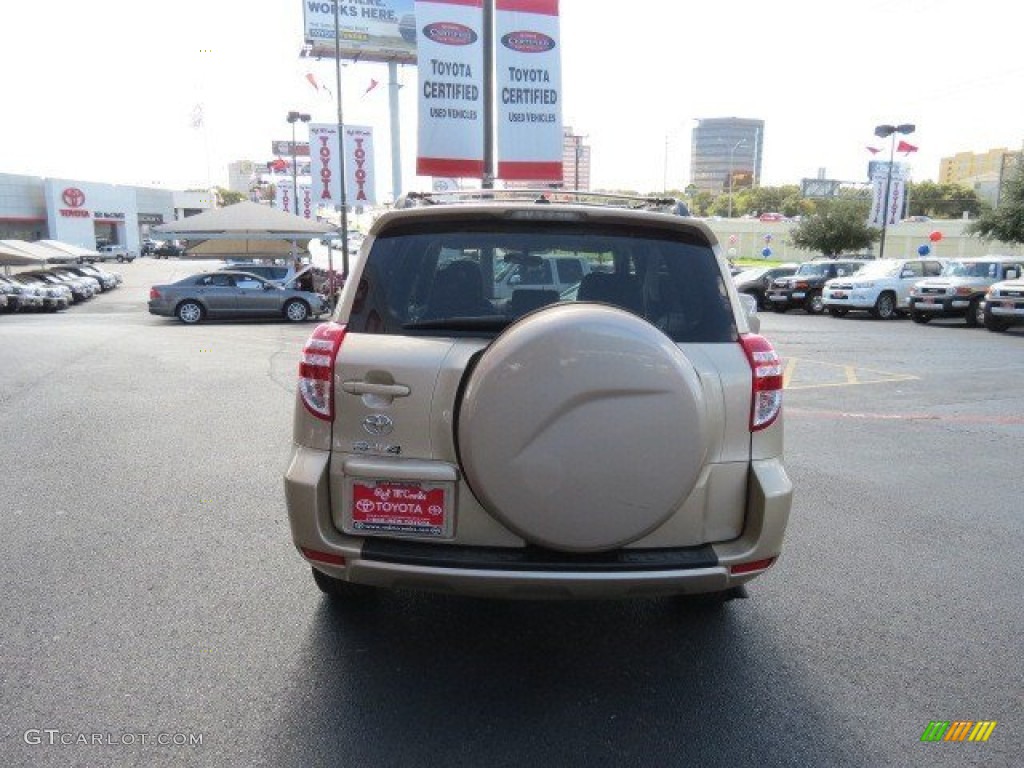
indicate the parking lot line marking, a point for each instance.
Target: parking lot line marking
{"x":919,"y":417}
{"x":787,"y":374}
{"x":815,"y":374}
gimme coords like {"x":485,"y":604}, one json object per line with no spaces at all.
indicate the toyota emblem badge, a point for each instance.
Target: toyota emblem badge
{"x":73,"y":197}
{"x":378,"y":424}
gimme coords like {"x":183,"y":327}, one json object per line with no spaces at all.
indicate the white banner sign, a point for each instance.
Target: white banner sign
{"x":284,"y":194}
{"x":528,"y":86}
{"x":890,"y":210}
{"x":323,"y":150}
{"x":307,"y":209}
{"x":361,"y":183}
{"x":451,"y":108}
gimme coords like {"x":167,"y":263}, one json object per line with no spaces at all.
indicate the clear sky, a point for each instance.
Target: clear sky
{"x":105,"y":90}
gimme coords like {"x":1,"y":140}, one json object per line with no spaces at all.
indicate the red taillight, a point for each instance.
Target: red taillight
{"x":316,"y":369}
{"x":766,"y":367}
{"x":756,"y":565}
{"x":154,"y":293}
{"x":323,"y":557}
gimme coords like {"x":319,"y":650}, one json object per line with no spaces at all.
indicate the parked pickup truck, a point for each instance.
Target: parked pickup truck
{"x":960,"y":290}
{"x":120,"y":253}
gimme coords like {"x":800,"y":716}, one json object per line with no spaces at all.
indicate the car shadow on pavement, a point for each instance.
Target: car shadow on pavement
{"x":414,"y":679}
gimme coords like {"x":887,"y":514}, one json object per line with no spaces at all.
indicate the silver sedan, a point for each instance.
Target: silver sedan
{"x":230,"y":294}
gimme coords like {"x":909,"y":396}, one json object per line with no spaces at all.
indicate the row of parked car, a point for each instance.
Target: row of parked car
{"x":55,"y":288}
{"x":987,"y":290}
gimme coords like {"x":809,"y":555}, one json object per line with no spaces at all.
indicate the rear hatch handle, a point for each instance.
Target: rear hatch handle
{"x":376,"y":390}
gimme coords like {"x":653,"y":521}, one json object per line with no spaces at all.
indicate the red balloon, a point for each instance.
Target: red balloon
{"x":935,"y":236}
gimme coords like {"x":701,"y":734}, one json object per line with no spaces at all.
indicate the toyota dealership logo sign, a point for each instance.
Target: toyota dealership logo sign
{"x":73,"y":197}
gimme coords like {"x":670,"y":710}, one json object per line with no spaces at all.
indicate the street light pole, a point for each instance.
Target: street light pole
{"x":882,"y":132}
{"x":294,"y":117}
{"x":732,"y":155}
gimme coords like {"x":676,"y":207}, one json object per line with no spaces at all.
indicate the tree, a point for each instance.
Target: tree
{"x":942,"y":201}
{"x":1005,"y":223}
{"x":228,"y":197}
{"x":837,"y":227}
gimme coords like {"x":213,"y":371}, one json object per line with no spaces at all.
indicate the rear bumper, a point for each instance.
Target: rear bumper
{"x":527,"y":573}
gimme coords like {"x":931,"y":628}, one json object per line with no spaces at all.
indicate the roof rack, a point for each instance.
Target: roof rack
{"x":543,"y":196}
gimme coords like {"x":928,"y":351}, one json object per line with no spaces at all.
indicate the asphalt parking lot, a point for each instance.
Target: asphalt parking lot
{"x":150,"y":585}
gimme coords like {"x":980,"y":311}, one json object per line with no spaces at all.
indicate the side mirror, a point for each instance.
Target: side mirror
{"x":1012,"y":274}
{"x":515,"y":280}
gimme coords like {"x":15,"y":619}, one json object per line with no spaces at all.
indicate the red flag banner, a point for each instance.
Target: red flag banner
{"x":874,"y":150}
{"x":373,"y":84}
{"x":905,"y":147}
{"x":312,"y":80}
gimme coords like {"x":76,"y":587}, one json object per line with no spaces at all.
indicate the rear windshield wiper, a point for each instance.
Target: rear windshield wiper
{"x":489,"y":323}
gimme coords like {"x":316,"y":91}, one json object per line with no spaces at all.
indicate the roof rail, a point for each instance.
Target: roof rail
{"x":541,"y":195}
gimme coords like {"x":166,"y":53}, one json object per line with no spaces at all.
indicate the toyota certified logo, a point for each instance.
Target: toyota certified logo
{"x":73,"y":197}
{"x":524,"y":41}
{"x":449,"y":33}
{"x":378,"y":424}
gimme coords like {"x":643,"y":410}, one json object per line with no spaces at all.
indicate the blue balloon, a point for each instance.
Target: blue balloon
{"x":924,"y":250}
{"x":766,"y":252}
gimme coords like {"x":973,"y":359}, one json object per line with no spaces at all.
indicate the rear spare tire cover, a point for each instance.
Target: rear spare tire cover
{"x":582,"y":428}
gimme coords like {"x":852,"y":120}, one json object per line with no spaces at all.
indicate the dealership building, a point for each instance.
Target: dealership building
{"x":88,"y":213}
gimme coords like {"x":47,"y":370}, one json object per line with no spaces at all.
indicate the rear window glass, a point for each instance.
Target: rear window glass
{"x":476,"y":278}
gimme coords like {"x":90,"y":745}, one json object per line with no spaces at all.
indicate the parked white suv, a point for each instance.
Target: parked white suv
{"x":625,"y":442}
{"x":960,"y":290}
{"x":556,"y":272}
{"x":1004,"y":304}
{"x":881,"y":288}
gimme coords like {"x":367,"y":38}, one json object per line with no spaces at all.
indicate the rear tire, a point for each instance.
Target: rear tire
{"x":340,"y":591}
{"x":711,"y":602}
{"x":189,"y":312}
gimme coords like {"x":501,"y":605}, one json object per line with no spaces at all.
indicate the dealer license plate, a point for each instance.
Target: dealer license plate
{"x":410,"y":508}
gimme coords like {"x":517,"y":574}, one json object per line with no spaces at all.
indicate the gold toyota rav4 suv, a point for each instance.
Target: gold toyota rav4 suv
{"x":620,"y":438}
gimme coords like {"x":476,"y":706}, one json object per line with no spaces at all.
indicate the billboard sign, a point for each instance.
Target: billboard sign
{"x":381,"y":30}
{"x":450,"y":140}
{"x":528,"y":87}
{"x":285,"y":148}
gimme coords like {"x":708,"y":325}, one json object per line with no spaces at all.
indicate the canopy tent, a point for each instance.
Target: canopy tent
{"x":245,"y":220}
{"x":246,"y":230}
{"x":68,"y":251}
{"x":20,"y":253}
